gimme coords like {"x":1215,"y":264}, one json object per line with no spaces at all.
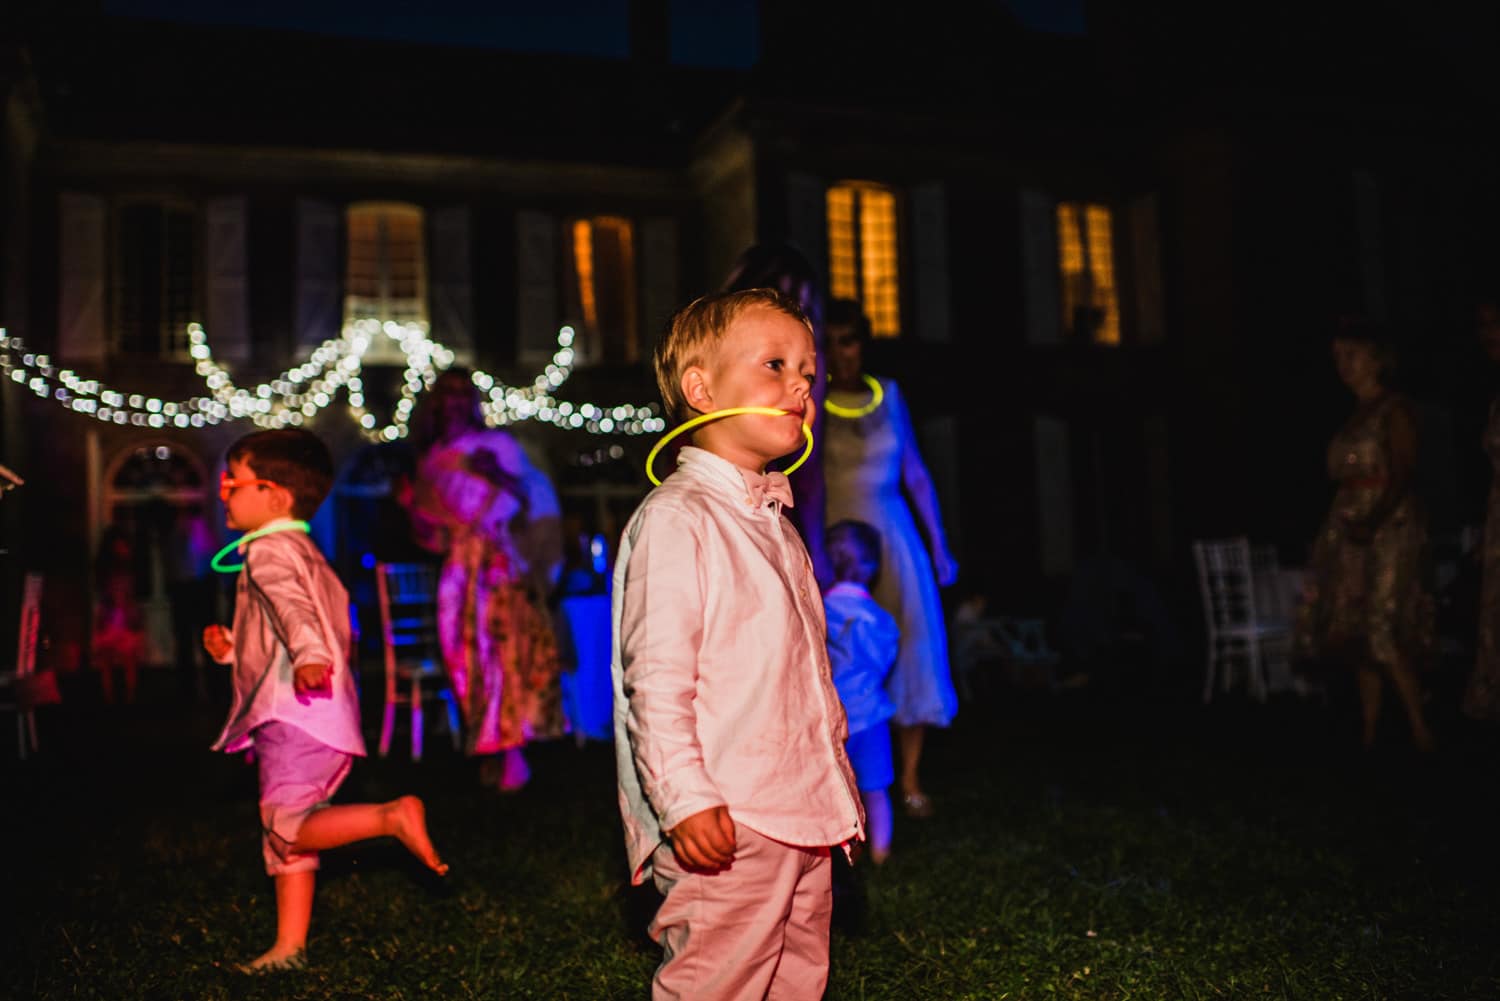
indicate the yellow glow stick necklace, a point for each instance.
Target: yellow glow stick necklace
{"x":877,"y":396}
{"x":715,"y":415}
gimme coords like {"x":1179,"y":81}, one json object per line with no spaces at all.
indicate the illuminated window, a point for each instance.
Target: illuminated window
{"x":385,"y":276}
{"x":601,"y":287}
{"x":1086,"y":262}
{"x":157,"y":279}
{"x":863,"y":252}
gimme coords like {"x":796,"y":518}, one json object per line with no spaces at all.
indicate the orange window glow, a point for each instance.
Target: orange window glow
{"x":1086,"y":264}
{"x":864,"y":252}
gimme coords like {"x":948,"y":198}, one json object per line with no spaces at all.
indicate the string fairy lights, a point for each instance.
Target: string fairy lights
{"x":303,"y":391}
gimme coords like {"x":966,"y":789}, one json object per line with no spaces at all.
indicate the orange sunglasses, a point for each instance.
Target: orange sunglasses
{"x":228,"y":485}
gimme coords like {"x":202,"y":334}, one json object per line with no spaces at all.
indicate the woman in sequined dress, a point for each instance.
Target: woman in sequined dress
{"x":1368,"y":607}
{"x":479,"y":501}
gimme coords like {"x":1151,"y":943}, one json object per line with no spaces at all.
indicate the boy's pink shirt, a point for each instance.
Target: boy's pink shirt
{"x":290,"y":609}
{"x":723,"y":695}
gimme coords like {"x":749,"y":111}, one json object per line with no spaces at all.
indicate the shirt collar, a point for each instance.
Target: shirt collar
{"x":283,"y":520}
{"x":746,"y":486}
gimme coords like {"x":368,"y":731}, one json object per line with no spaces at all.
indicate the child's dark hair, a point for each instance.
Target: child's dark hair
{"x":849,"y":313}
{"x":854,"y":550}
{"x":292,"y":458}
{"x":1378,"y":338}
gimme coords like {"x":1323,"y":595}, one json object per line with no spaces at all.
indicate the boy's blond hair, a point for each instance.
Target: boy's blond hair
{"x":696,"y":330}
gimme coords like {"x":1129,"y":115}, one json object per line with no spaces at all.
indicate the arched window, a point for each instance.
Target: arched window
{"x":153,"y":472}
{"x":864,"y":252}
{"x":155,"y":497}
{"x":385,"y":271}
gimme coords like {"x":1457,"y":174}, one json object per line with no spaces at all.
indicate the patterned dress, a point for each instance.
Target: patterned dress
{"x":865,"y":460}
{"x":1482,"y":697}
{"x":496,"y":636}
{"x":1368,"y":602}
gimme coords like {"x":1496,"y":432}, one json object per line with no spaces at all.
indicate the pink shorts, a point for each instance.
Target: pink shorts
{"x":298,"y":775}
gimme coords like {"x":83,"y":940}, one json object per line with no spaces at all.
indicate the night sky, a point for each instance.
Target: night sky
{"x":721,"y":33}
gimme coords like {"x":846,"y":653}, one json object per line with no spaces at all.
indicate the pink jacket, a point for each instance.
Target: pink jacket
{"x":290,"y":609}
{"x":723,"y":695}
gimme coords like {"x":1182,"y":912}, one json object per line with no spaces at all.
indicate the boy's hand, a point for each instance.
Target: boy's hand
{"x":218,"y":643}
{"x":312,"y":678}
{"x":705,"y":841}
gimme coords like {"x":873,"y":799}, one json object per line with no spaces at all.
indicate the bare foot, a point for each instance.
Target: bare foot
{"x":275,"y":960}
{"x":409,"y":824}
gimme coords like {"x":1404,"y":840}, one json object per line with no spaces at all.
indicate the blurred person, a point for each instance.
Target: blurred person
{"x":1367,"y":608}
{"x":295,"y":701}
{"x":862,"y":642}
{"x":875,"y":474}
{"x":118,"y":641}
{"x":493,"y":515}
{"x":188,"y":543}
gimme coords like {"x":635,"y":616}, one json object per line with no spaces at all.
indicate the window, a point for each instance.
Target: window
{"x":385,"y":276}
{"x":157,"y":284}
{"x":601,"y":287}
{"x":863,"y":252}
{"x":1086,"y":264}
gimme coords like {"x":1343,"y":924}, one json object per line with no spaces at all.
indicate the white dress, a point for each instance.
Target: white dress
{"x":863,"y":463}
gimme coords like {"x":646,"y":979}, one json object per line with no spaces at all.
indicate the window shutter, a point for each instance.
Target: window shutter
{"x":1039,"y":262}
{"x":81,"y":270}
{"x":228,"y":313}
{"x":450,"y":292}
{"x":658,"y":278}
{"x":1145,"y":256}
{"x":1054,"y":479}
{"x":536,"y":287}
{"x":319,"y":311}
{"x":807,"y":219}
{"x":1371,"y":251}
{"x":929,"y":223}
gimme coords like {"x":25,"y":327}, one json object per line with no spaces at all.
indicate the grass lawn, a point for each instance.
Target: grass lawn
{"x":1082,"y":849}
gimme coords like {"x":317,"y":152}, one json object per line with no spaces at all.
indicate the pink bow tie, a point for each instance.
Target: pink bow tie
{"x":765,"y":487}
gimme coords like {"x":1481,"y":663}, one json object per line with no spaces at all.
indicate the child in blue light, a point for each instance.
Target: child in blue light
{"x":862,"y":640}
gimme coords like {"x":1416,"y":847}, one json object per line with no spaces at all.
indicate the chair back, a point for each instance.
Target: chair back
{"x":1226,"y":581}
{"x":408,"y":611}
{"x":1273,"y":601}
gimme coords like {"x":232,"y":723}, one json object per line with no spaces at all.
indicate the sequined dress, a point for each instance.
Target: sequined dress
{"x":1368,"y":600}
{"x":497,"y":640}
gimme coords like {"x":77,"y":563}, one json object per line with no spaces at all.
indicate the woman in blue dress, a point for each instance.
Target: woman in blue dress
{"x":875,"y":474}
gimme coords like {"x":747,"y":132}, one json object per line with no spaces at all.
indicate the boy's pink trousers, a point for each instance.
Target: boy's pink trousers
{"x":758,"y":929}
